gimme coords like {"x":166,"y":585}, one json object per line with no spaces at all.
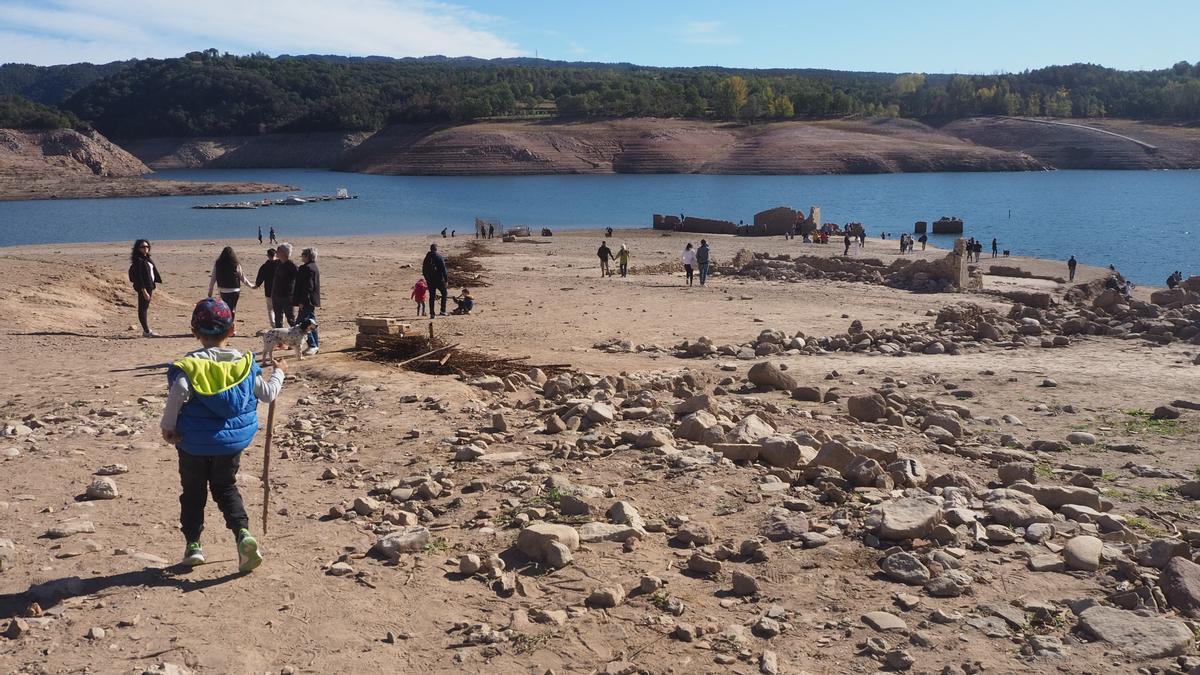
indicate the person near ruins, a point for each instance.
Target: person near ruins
{"x":420,"y":292}
{"x":264,"y":278}
{"x":444,"y":232}
{"x":437,"y":275}
{"x":605,"y":254}
{"x":862,"y":238}
{"x":688,"y":258}
{"x":846,"y":241}
{"x":491,"y":231}
{"x":307,"y":296}
{"x":463,"y":303}
{"x":282,"y":287}
{"x":924,"y":239}
{"x":227,"y":278}
{"x":995,"y":248}
{"x":1127,"y":290}
{"x":623,"y":260}
{"x":211,"y":416}
{"x":145,"y":277}
{"x":702,"y":254}
{"x":1071,"y":264}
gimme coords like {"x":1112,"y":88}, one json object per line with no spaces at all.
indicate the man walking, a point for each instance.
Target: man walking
{"x":260,"y":235}
{"x":605,"y":254}
{"x":433,"y":268}
{"x":995,"y":248}
{"x":265,"y":279}
{"x":1071,"y":264}
{"x":702,"y":260}
{"x":283,"y":286}
{"x":273,"y":239}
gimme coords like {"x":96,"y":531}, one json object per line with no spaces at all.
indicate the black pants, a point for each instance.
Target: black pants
{"x":197,"y":475}
{"x":231,"y":300}
{"x":688,"y":269}
{"x":283,"y":308}
{"x":434,"y":287}
{"x":143,"y":307}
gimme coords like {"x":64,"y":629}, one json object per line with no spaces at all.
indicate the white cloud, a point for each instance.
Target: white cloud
{"x":65,"y":31}
{"x":707,"y":33}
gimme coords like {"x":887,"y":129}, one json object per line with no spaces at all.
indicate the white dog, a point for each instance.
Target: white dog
{"x":291,"y":337}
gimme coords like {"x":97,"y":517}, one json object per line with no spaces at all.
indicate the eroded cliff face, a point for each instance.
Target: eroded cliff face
{"x":269,"y":151}
{"x":65,"y":152}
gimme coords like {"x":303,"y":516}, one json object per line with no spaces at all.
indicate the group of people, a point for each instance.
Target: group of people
{"x":907,"y":242}
{"x":288,"y":287}
{"x":621,"y":256}
{"x":435,"y":277}
{"x":1175,"y":279}
{"x":695,"y":258}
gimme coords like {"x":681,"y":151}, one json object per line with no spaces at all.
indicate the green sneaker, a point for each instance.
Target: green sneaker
{"x":248,"y":555}
{"x":193,"y":555}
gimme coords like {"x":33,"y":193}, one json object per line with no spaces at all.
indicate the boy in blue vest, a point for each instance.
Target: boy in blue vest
{"x":211,"y":416}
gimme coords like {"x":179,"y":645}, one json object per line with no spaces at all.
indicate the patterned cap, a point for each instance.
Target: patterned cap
{"x":212,"y":317}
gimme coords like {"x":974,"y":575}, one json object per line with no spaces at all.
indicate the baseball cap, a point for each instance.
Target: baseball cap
{"x":212,"y":317}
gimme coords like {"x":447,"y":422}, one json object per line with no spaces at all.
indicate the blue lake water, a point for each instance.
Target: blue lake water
{"x":1147,"y":223}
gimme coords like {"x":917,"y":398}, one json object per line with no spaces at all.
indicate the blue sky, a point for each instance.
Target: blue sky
{"x":931,"y":36}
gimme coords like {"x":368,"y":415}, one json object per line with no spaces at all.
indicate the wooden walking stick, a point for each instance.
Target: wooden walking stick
{"x":266,"y":477}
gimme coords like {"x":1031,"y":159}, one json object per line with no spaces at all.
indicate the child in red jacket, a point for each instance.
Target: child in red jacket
{"x":419,"y":293}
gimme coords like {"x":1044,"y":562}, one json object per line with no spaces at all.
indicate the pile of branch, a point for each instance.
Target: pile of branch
{"x":465,"y":271}
{"x":434,"y":356}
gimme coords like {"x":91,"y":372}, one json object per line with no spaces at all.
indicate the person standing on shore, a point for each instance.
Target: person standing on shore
{"x":1071,"y":267}
{"x":623,"y":260}
{"x":266,"y":274}
{"x":227,"y":277}
{"x":260,"y":235}
{"x":995,"y":248}
{"x":605,"y":253}
{"x":702,"y":260}
{"x":283,"y":286}
{"x":846,"y":241}
{"x":145,"y":277}
{"x":924,"y":240}
{"x":273,"y":239}
{"x":433,"y":268}
{"x":688,"y":258}
{"x":307,"y":296}
{"x":491,"y":231}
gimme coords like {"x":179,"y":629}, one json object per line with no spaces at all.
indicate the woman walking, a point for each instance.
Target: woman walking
{"x":688,"y":258}
{"x":227,"y":277}
{"x":145,"y":277}
{"x":308,"y":295}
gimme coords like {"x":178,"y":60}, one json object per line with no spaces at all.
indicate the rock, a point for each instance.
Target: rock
{"x":884,"y":622}
{"x":702,"y":564}
{"x":95,"y":633}
{"x":767,"y":374}
{"x":950,"y":584}
{"x":607,"y":597}
{"x":744,"y":584}
{"x":768,"y":663}
{"x":499,"y":423}
{"x":1083,"y":553}
{"x":909,"y":517}
{"x":649,"y":584}
{"x":488,"y":383}
{"x":69,"y":528}
{"x":834,"y":455}
{"x":404,"y":540}
{"x":905,"y":568}
{"x":738,"y":452}
{"x":695,"y":404}
{"x":946,"y":422}
{"x":866,"y":407}
{"x":558,"y":555}
{"x":695,"y":533}
{"x":1081,"y":438}
{"x":749,"y":430}
{"x":16,"y":628}
{"x":899,"y":659}
{"x":1058,"y":496}
{"x":1014,"y":471}
{"x":811,"y":394}
{"x":534,"y":541}
{"x":1180,"y":584}
{"x":1045,"y":562}
{"x":654,"y":438}
{"x":1015,"y":508}
{"x":594,"y":532}
{"x":555,"y":425}
{"x":600,"y":413}
{"x":1158,"y":552}
{"x":365,"y":506}
{"x":103,"y":488}
{"x":1138,"y":636}
{"x":340,"y":569}
{"x":469,"y":563}
{"x":1165,"y":412}
{"x":785,"y":452}
{"x":699,"y":427}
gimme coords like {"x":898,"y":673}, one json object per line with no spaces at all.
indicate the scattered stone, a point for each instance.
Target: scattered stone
{"x":866,"y":407}
{"x":1180,"y":584}
{"x":1081,"y":438}
{"x":702,"y":564}
{"x":884,"y":622}
{"x":534,"y":541}
{"x":909,"y":517}
{"x":112,"y":470}
{"x":1165,"y":412}
{"x":1083,"y":553}
{"x":404,"y":540}
{"x":70,"y":527}
{"x":744,"y":584}
{"x":469,"y":563}
{"x":607,"y":597}
{"x":103,"y":487}
{"x":1138,"y":636}
{"x":695,"y":533}
{"x":767,"y":374}
{"x":950,"y":584}
{"x":905,"y":568}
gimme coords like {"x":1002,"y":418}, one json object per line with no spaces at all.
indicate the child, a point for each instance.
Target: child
{"x":464,"y":303}
{"x":623,"y":259}
{"x":211,"y":416}
{"x":419,"y":293}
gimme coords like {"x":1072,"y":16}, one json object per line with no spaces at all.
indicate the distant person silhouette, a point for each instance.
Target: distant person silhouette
{"x":273,"y":239}
{"x":995,"y":247}
{"x":1071,"y":264}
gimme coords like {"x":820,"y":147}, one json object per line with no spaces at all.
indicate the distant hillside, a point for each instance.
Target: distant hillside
{"x":211,"y":94}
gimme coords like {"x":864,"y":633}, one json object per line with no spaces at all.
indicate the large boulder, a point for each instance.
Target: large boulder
{"x":785,"y":452}
{"x":750,"y":430}
{"x":1180,"y":584}
{"x":1138,"y":636}
{"x":866,"y":407}
{"x":700,"y":427}
{"x":767,"y":374}
{"x":909,"y":518}
{"x":944,"y":421}
{"x":1015,"y":508}
{"x":535,"y":540}
{"x":835,"y":456}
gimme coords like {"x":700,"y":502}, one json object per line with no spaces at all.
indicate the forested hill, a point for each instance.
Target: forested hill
{"x":210,"y":94}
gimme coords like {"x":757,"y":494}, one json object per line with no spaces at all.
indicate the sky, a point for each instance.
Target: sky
{"x":919,"y":36}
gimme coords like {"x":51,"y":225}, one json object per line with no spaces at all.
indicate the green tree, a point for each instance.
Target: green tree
{"x":731,"y":97}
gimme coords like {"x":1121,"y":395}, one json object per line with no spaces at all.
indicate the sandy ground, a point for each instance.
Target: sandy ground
{"x":77,"y":370}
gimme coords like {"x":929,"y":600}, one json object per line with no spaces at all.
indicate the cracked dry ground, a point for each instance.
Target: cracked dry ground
{"x":834,"y":545}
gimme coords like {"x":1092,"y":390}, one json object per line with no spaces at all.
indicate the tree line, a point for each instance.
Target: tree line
{"x":209,"y":93}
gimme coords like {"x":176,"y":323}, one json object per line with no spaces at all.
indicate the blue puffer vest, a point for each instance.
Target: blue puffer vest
{"x":221,"y":417}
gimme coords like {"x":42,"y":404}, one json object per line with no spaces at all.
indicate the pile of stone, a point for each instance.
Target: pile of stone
{"x":1091,"y":309}
{"x":919,"y":275}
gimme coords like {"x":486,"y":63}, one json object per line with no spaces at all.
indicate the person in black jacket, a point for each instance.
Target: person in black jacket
{"x":436,"y":274}
{"x":144,"y":275}
{"x":282,"y":286}
{"x":266,"y":274}
{"x":307,"y":295}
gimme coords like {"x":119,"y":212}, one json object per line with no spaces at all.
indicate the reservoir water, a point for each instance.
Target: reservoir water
{"x":1147,"y":223}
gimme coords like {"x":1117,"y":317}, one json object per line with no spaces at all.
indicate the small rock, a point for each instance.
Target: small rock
{"x":103,"y":488}
{"x":744,"y":584}
{"x":884,"y":622}
{"x":606,"y":597}
{"x":1083,"y":553}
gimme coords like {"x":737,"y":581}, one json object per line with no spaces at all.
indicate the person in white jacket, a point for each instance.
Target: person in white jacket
{"x":688,"y":258}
